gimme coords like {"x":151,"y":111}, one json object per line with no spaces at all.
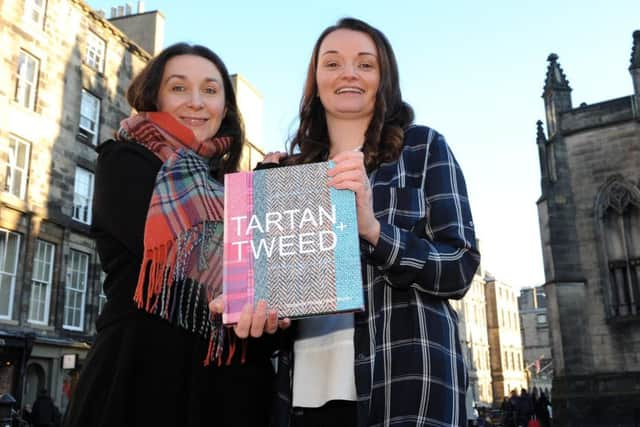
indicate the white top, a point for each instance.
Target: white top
{"x":323,"y":367}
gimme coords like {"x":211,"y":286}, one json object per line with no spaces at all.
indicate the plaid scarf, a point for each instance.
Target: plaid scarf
{"x":181,"y":269}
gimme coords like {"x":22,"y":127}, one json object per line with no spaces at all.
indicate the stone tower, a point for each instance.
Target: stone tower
{"x":589,"y":214}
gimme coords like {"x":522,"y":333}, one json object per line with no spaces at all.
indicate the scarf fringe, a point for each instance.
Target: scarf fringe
{"x":164,"y":288}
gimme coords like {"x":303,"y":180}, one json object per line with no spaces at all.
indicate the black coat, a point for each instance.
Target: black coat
{"x":143,"y":371}
{"x":45,"y":412}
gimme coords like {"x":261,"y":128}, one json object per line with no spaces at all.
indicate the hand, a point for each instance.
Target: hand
{"x":349,"y":173}
{"x":253,"y":323}
{"x":274,"y":157}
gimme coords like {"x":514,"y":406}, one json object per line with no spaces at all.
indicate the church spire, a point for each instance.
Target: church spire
{"x":556,"y":94}
{"x":556,"y":79}
{"x":540,"y":137}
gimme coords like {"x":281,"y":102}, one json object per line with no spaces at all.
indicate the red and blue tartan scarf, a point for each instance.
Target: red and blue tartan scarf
{"x":181,"y":270}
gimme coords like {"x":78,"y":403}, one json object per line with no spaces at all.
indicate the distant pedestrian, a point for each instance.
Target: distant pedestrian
{"x":542,"y":410}
{"x":524,"y":408}
{"x":45,"y":413}
{"x":509,"y":410}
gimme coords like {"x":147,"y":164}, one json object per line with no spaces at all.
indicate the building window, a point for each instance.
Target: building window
{"x":34,"y":12}
{"x":26,"y":81}
{"x":82,"y":196}
{"x":102,"y":298}
{"x":89,"y":118}
{"x":16,"y":165}
{"x":9,"y":251}
{"x":75,"y":290}
{"x":541,"y":319}
{"x":618,"y":211}
{"x":95,"y":52}
{"x":519,"y":361}
{"x":41,"y":282}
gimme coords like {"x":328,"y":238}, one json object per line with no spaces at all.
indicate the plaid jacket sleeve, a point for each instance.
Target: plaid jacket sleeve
{"x":427,"y":239}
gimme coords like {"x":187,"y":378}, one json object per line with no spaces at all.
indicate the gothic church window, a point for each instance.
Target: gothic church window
{"x":618,"y":207}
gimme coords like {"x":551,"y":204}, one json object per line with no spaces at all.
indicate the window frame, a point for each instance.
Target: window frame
{"x":80,"y":289}
{"x":76,"y":213}
{"x":4,"y":234}
{"x":84,"y":132}
{"x":46,"y":283}
{"x":102,"y":297}
{"x":29,"y":8}
{"x":21,"y":80}
{"x":12,"y":166}
{"x":96,"y":48}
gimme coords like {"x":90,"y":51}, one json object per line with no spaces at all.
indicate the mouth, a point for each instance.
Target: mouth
{"x":194,"y":121}
{"x":349,"y":89}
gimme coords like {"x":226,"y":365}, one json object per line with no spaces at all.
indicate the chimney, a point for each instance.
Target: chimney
{"x":127,"y":9}
{"x":120,"y":11}
{"x":140,"y":6}
{"x":114,"y":12}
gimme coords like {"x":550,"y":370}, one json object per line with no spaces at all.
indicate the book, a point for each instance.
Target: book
{"x":291,"y":240}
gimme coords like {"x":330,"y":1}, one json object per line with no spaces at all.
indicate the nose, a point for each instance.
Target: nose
{"x":349,"y":71}
{"x":195,"y":101}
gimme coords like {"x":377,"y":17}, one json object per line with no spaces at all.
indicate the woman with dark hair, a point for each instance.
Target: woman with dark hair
{"x":399,"y":362}
{"x":160,"y":358}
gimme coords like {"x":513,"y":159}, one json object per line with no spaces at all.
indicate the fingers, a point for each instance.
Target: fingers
{"x":274,"y":157}
{"x":259,"y":319}
{"x":284,"y":323}
{"x":244,"y":322}
{"x":346,"y":155}
{"x":255,"y":323}
{"x":345,"y":161}
{"x":216,"y":306}
{"x":272,"y":322}
{"x":349,"y":172}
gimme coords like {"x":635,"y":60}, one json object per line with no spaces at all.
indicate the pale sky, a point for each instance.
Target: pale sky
{"x":473,"y":70}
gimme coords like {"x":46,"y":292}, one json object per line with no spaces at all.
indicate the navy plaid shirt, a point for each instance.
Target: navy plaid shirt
{"x":409,"y":366}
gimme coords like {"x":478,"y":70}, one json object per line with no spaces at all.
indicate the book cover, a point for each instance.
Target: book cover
{"x":291,"y":240}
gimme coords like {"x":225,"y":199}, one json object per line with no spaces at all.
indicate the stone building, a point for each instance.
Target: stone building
{"x":589,"y":213}
{"x":536,"y":345}
{"x":250,"y":105}
{"x":66,"y":69}
{"x":475,"y":342}
{"x":505,"y":343}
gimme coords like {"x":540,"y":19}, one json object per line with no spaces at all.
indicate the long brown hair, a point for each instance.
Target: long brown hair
{"x":142,"y":95}
{"x":391,"y":116}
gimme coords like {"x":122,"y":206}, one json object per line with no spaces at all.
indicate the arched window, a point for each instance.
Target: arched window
{"x":618,"y":215}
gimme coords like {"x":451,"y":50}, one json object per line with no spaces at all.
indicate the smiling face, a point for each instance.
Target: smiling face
{"x":192,"y":91}
{"x":348,"y":74}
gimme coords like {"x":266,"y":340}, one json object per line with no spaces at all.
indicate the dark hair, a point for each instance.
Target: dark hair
{"x":391,"y":115}
{"x":142,"y":95}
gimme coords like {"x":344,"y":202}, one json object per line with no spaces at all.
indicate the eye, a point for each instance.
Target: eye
{"x":367,"y":66}
{"x":178,"y":88}
{"x":210,"y":90}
